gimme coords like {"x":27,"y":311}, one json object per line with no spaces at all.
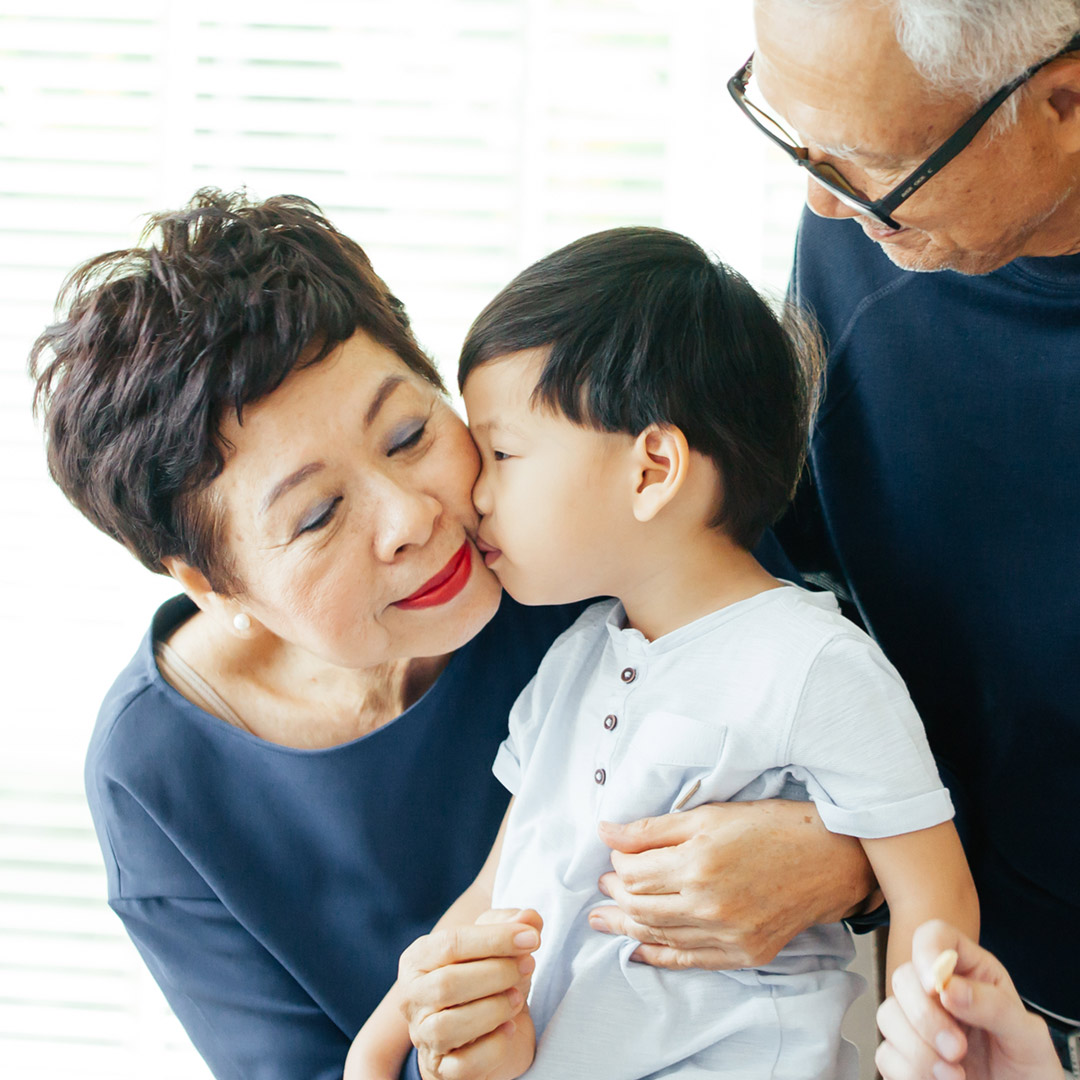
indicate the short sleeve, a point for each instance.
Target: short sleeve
{"x":525,"y":719}
{"x":859,"y":746}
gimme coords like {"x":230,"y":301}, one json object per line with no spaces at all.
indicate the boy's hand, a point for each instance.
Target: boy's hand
{"x":462,"y":989}
{"x":977,"y":1028}
{"x":728,"y":885}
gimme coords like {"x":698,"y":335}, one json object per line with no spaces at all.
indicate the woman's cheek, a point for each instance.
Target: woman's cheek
{"x":460,"y":462}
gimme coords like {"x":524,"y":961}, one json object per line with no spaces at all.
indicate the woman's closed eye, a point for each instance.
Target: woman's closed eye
{"x":407,"y":438}
{"x":320,"y":516}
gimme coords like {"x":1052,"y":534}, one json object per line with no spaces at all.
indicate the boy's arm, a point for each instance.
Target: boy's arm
{"x":458,"y":985}
{"x":924,"y":875}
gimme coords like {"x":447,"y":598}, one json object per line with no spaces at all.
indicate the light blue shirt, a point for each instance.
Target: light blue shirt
{"x":775,"y":695}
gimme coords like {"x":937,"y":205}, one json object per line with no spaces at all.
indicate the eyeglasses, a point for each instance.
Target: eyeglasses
{"x":832,"y":180}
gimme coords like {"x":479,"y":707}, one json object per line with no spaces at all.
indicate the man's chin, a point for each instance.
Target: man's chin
{"x":918,"y":262}
{"x":912,"y":250}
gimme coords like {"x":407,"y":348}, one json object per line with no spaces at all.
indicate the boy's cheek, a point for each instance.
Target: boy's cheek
{"x":509,"y":584}
{"x":521,"y":586}
{"x":534,"y":588}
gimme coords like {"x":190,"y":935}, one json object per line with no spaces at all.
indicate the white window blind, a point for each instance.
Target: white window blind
{"x":456,"y":140}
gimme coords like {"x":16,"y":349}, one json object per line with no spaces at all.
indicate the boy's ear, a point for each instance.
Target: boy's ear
{"x":226,"y":611}
{"x":661,"y":459}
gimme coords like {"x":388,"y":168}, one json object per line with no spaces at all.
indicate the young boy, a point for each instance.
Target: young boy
{"x":642,"y":418}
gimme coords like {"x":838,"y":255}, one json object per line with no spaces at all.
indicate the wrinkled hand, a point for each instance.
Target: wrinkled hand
{"x":977,"y":1029}
{"x":462,"y":987}
{"x":727,"y":885}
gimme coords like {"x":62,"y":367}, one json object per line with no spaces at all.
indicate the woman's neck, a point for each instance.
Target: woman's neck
{"x":290,"y":697}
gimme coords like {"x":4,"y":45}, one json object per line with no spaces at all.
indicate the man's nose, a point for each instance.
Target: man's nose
{"x":824,"y":203}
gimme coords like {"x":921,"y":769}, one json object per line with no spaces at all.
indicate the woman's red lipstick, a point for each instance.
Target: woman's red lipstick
{"x":445,"y":585}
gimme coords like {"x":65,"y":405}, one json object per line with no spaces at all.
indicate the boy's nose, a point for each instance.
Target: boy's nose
{"x":481,"y":493}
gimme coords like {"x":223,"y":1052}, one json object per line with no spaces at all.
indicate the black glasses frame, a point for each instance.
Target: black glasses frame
{"x":831,"y":179}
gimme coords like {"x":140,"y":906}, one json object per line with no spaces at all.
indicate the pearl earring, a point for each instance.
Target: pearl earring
{"x":242,"y":622}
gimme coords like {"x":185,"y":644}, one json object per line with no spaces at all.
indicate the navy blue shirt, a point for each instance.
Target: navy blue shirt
{"x":271,"y":890}
{"x":944,"y":497}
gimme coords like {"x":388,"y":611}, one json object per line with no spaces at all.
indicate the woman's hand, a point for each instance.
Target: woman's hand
{"x":728,"y":885}
{"x":463,"y":997}
{"x":976,"y":1029}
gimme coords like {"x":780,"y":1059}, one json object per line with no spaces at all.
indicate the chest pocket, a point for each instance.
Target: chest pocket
{"x":662,"y":766}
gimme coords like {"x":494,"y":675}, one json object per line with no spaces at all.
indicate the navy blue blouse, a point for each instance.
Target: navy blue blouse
{"x":271,"y":890}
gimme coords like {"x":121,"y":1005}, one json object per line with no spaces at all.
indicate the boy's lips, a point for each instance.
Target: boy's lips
{"x":489,"y":552}
{"x":445,"y":585}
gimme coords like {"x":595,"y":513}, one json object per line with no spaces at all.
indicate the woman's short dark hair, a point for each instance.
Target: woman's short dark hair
{"x":159,"y":342}
{"x":642,"y":327}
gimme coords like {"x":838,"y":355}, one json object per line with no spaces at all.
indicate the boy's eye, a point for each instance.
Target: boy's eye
{"x":410,"y":438}
{"x":321,"y":517}
{"x":498,"y":455}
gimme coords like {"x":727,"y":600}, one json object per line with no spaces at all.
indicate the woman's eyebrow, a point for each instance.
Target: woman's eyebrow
{"x":288,"y":483}
{"x":386,"y":388}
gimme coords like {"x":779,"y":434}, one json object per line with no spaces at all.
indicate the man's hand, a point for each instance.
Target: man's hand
{"x":463,"y":995}
{"x":728,"y":885}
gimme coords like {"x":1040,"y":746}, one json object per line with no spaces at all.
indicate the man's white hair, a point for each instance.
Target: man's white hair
{"x":974,"y":47}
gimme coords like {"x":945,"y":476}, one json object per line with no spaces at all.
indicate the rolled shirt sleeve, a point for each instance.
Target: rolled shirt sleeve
{"x":861,"y":748}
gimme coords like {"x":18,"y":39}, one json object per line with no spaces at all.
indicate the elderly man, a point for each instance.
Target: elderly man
{"x":945,"y":491}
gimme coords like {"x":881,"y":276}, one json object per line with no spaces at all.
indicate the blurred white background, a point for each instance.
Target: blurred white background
{"x":456,"y":140}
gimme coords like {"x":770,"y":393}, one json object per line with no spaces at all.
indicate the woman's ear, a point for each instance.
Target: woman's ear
{"x":225,"y":610}
{"x":661,"y":460}
{"x":193,"y":582}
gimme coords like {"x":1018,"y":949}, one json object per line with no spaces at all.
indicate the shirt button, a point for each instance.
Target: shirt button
{"x":628,"y":674}
{"x":599,"y":776}
{"x":610,"y":722}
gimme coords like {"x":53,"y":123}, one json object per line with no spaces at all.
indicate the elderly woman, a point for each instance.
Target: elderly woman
{"x":291,"y":779}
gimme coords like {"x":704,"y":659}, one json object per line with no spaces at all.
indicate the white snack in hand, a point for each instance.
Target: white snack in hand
{"x":942,"y":969}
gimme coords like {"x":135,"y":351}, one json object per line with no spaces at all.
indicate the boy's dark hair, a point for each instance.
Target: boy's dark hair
{"x":160,"y":341}
{"x":644,"y":328}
